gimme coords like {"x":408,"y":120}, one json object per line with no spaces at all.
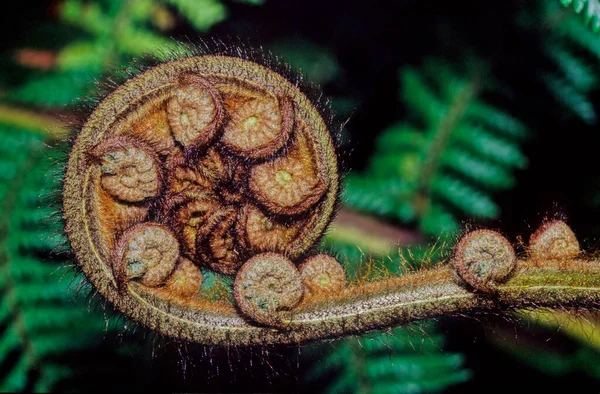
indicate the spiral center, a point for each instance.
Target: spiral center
{"x":324,"y":280}
{"x":184,"y":119}
{"x":283,"y":178}
{"x":249,"y":123}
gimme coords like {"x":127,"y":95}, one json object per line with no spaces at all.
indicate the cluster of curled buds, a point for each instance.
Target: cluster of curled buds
{"x":484,"y":259}
{"x":217,"y":166}
{"x":204,"y":163}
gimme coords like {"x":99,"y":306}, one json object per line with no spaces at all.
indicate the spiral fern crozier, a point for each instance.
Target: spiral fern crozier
{"x":219,"y":164}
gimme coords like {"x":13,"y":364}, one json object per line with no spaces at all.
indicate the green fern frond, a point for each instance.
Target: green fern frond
{"x":138,"y":41}
{"x":202,"y":14}
{"x":396,"y":362}
{"x":568,"y":95}
{"x":584,"y":360}
{"x":589,"y":9}
{"x":574,"y":51}
{"x":54,"y":89}
{"x":448,"y":161}
{"x":576,"y":70}
{"x":82,"y":55}
{"x":40,"y":314}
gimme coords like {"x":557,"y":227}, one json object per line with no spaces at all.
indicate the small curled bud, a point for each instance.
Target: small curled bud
{"x":217,"y":243}
{"x":260,"y":232}
{"x":259,"y":128}
{"x":554,"y":240}
{"x":214,"y":167}
{"x":483,"y":259}
{"x":129,"y":170}
{"x":190,"y":216}
{"x":147,"y":253}
{"x":322,"y":275}
{"x":195,"y":112}
{"x":266,"y":285}
{"x":290,"y":184}
{"x":186,"y":280}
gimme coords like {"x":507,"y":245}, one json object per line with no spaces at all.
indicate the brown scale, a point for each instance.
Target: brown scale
{"x":186,"y":279}
{"x":260,"y":232}
{"x":190,"y":213}
{"x":216,"y":243}
{"x":149,"y":124}
{"x":114,"y":217}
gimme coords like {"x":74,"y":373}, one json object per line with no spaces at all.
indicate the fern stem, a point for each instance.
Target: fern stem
{"x":422,"y":295}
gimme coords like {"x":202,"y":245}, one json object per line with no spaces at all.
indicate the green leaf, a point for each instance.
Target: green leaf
{"x":83,"y":55}
{"x":446,"y":160}
{"x":589,"y":9}
{"x":202,"y":14}
{"x":54,"y":90}
{"x":571,"y":98}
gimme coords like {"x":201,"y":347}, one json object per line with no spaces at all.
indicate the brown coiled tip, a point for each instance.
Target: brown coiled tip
{"x":195,"y":112}
{"x":224,"y":156}
{"x":129,"y":169}
{"x":259,"y":127}
{"x":190,"y":213}
{"x":484,"y":259}
{"x":554,"y":240}
{"x":266,"y":285}
{"x":217,"y":244}
{"x":289,"y":184}
{"x":322,"y":275}
{"x":146,"y":253}
{"x":259,"y":232}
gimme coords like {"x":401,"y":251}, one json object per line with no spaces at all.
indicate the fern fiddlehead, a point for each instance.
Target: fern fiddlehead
{"x":242,"y":178}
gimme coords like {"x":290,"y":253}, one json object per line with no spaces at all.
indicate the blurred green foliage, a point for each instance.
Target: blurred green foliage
{"x":573,"y":51}
{"x":590,"y":9}
{"x":402,"y":361}
{"x":447,"y":160}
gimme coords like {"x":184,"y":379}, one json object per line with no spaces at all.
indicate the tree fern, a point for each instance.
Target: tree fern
{"x":444,"y":163}
{"x":40,"y":314}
